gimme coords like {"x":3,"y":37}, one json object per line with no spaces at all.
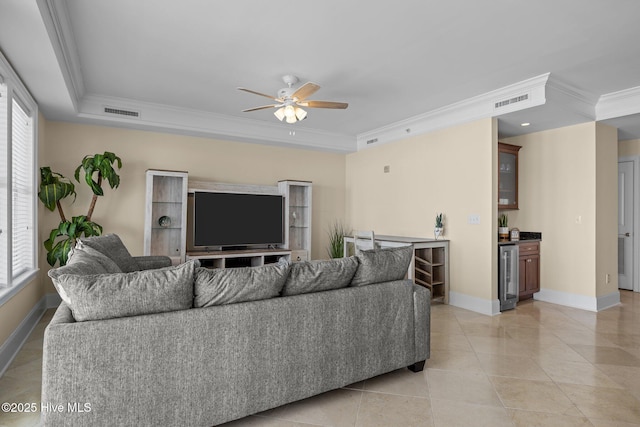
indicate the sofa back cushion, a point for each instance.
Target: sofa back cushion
{"x":89,"y":255}
{"x":382,"y":265}
{"x":233,"y":285}
{"x":107,"y":296}
{"x":111,"y":246}
{"x":320,"y":275}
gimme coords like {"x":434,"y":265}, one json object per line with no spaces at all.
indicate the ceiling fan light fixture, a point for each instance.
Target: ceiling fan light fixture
{"x":300,"y":113}
{"x":289,"y":112}
{"x":279,"y":113}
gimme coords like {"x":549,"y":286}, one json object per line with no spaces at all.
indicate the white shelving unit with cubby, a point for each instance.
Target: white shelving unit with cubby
{"x":165,"y":224}
{"x":297,"y":218}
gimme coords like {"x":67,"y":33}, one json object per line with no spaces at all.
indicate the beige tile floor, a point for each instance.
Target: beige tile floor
{"x":538,"y":365}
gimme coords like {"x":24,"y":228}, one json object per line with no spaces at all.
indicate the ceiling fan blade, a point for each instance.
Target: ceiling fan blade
{"x":258,"y":93}
{"x":264,"y":107}
{"x":305,"y":91}
{"x":324,"y":104}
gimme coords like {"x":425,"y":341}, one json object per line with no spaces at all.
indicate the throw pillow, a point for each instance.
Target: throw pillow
{"x":89,"y":255}
{"x":77,"y":268}
{"x":321,"y":275}
{"x":382,"y":265}
{"x":108,"y":296}
{"x":233,"y":285}
{"x":111,"y":246}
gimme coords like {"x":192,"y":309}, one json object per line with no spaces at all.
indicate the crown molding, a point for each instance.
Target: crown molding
{"x":618,"y":104}
{"x":478,"y":107}
{"x":572,"y":98}
{"x":206,"y":124}
{"x":55,"y":16}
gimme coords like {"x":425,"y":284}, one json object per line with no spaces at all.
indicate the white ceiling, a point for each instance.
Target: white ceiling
{"x":399,"y":64}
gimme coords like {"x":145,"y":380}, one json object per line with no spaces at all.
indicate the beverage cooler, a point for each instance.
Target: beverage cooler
{"x":508,"y":276}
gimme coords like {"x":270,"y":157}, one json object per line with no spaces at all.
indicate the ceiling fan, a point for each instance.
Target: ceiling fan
{"x":289,"y":100}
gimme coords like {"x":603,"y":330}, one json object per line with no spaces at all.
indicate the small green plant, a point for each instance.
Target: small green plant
{"x":503,"y":220}
{"x":336,"y":239}
{"x":439,"y":220}
{"x":54,"y":187}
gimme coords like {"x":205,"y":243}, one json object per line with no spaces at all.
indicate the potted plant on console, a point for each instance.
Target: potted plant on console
{"x":54,"y":187}
{"x":439,"y":226}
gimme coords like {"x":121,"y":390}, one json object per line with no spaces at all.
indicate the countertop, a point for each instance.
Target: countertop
{"x":519,"y":242}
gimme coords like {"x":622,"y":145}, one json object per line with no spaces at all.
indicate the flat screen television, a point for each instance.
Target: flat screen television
{"x":222,"y":220}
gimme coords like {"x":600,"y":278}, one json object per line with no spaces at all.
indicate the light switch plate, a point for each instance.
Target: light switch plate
{"x":473,"y":219}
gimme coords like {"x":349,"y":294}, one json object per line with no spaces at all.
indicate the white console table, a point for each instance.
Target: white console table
{"x":429,"y":265}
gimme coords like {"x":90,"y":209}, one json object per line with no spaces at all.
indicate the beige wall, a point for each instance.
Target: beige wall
{"x":450,"y":171}
{"x":121,"y":211}
{"x":568,"y":181}
{"x":629,"y":148}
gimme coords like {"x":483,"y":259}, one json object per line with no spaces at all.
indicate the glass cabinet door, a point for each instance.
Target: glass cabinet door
{"x":507,"y":176}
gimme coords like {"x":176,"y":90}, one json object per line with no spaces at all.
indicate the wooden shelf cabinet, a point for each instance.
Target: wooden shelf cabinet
{"x":431,"y":268}
{"x":297,"y":217}
{"x":165,"y":224}
{"x":529,"y":266}
{"x":507,"y":176}
{"x":244,"y":258}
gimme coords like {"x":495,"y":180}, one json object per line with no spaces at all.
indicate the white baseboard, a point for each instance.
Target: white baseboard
{"x":479,"y":305}
{"x":16,"y":340}
{"x":578,"y":301}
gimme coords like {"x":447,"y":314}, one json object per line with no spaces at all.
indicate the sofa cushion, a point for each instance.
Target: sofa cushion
{"x":233,"y":285}
{"x":382,"y":265}
{"x":83,"y":261}
{"x":107,"y":296}
{"x":87,"y":255}
{"x":111,"y":246}
{"x":320,"y":275}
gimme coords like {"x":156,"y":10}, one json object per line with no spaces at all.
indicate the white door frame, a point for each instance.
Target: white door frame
{"x":636,"y":219}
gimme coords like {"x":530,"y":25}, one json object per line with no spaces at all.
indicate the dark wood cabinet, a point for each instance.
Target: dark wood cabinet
{"x":529,"y":267}
{"x":508,"y":176}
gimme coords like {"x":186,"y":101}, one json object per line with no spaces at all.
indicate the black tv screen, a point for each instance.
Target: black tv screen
{"x":235,"y":219}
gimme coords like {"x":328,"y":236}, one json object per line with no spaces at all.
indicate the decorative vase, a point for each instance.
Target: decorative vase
{"x":437,"y":231}
{"x":164,"y":221}
{"x":503,"y":234}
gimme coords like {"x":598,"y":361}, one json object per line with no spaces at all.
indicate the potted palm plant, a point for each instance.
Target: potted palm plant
{"x":54,"y":187}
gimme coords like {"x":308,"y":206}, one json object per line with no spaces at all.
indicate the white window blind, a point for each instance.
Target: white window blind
{"x":4,"y":147}
{"x":18,"y":217}
{"x":22,"y":190}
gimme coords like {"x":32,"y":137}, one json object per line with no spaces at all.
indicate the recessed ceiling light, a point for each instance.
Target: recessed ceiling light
{"x":525,"y":124}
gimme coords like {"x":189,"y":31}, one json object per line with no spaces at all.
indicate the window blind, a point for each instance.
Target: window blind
{"x":22,"y":252}
{"x":4,"y":152}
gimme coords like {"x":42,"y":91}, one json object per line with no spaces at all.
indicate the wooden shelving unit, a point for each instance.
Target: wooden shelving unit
{"x":245,"y":258}
{"x":297,"y":218}
{"x":431,"y":269}
{"x":165,"y":224}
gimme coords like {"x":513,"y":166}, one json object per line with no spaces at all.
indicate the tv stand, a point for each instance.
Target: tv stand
{"x":239,"y":258}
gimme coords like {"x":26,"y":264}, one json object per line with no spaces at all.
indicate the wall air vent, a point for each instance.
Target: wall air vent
{"x":510,"y":101}
{"x":121,"y":112}
{"x":371,"y":141}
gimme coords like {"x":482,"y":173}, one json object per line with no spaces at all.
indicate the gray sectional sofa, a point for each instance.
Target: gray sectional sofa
{"x":187,"y":346}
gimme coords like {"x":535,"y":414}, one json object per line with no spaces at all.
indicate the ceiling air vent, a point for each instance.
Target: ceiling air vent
{"x":510,"y":101}
{"x":371,"y":141}
{"x":121,"y":112}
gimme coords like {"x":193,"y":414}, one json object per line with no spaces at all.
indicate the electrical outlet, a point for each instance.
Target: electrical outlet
{"x":387,"y":169}
{"x":473,"y":219}
{"x":608,"y":278}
